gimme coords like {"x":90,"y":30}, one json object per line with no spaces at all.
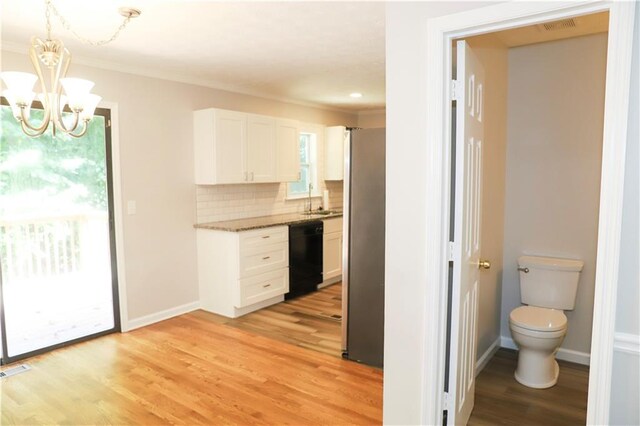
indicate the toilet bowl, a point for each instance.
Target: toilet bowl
{"x":538,"y":332}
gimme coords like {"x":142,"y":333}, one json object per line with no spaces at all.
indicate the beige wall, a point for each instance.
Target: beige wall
{"x":494,"y":57}
{"x":372,"y":119}
{"x":156,"y":159}
{"x":555,"y":124}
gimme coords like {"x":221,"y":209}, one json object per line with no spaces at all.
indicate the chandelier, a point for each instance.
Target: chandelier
{"x":51,"y":55}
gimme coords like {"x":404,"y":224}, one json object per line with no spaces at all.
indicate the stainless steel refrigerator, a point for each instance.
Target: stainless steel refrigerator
{"x":363,"y":254}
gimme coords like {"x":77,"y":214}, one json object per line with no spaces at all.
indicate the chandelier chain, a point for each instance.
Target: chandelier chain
{"x":67,"y":26}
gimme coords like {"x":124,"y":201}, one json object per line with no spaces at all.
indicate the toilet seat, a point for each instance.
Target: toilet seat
{"x":536,"y":319}
{"x":536,"y":333}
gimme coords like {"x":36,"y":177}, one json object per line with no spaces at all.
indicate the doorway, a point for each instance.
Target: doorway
{"x":543,"y":115}
{"x":57,"y":239}
{"x":441,"y":32}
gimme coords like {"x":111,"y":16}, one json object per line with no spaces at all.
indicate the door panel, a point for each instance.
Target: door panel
{"x":261,"y":148}
{"x":231,"y":146}
{"x":287,"y":154}
{"x":467,"y":220}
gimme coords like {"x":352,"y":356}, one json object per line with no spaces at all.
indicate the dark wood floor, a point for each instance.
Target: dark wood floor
{"x":501,"y":400}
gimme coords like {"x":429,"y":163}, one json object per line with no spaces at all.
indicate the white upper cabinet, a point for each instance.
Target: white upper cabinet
{"x":220,"y":146}
{"x":335,"y":139}
{"x":261,"y":148}
{"x":235,"y":147}
{"x":287,"y":153}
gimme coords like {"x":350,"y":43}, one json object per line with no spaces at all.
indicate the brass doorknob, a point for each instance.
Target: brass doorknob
{"x":484,"y":264}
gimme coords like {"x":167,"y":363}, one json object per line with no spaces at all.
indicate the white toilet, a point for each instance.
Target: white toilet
{"x":548,"y":286}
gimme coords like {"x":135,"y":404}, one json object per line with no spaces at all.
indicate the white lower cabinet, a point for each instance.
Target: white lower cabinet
{"x":332,"y":251}
{"x":240,"y":272}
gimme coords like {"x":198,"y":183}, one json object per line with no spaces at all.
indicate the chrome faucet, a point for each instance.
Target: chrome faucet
{"x":310,"y":188}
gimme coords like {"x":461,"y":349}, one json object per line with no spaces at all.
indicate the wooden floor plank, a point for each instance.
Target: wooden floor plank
{"x":501,"y":400}
{"x":192,"y":369}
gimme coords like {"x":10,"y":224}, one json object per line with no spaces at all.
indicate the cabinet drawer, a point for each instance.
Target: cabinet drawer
{"x":262,"y":287}
{"x":263,"y":237}
{"x":333,"y":225}
{"x":263,"y":258}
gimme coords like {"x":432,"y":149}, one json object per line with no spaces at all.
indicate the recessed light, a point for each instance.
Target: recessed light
{"x":356,"y":95}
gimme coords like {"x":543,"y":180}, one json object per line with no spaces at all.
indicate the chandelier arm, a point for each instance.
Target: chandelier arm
{"x":61,"y":70}
{"x":47,"y":111}
{"x":83,"y":132}
{"x":27,"y":129}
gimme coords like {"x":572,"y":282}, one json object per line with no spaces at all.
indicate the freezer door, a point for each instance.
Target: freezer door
{"x":365,"y":280}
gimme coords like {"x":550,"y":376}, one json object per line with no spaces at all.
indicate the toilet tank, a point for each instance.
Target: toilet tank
{"x":549,"y":282}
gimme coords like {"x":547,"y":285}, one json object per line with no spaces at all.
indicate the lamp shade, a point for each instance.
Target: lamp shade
{"x":77,"y":90}
{"x":13,"y":102}
{"x":90,"y":104}
{"x":20,"y":84}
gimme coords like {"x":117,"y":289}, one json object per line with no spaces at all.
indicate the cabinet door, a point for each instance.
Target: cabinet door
{"x":288,"y":156}
{"x":261,"y":148}
{"x":331,"y":255}
{"x":230,"y":140}
{"x":334,"y":152}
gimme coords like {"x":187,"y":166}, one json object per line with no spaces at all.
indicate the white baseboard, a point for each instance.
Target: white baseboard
{"x":330,"y":281}
{"x":583,"y":358}
{"x":628,"y":343}
{"x":487,"y":355}
{"x":161,"y":316}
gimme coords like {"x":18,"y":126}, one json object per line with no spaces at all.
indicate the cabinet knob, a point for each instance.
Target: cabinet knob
{"x":266,"y":285}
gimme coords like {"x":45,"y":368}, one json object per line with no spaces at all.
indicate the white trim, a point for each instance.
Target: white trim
{"x":163,"y":315}
{"x":440,"y":32}
{"x":482,"y":362}
{"x":563,"y":354}
{"x":118,"y":211}
{"x":627,"y":343}
{"x":177,"y":77}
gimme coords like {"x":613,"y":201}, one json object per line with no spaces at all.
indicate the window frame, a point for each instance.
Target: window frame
{"x":313,"y":156}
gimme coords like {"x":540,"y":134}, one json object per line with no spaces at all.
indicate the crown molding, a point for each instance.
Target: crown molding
{"x":176,"y":77}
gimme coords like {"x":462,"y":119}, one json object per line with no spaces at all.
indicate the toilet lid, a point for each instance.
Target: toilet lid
{"x":539,"y":319}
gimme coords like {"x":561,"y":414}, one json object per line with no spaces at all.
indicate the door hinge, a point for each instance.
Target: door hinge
{"x":451,"y":250}
{"x":108,"y":123}
{"x":445,"y":401}
{"x":455,"y":90}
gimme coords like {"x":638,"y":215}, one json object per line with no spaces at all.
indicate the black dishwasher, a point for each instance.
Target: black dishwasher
{"x":305,"y":258}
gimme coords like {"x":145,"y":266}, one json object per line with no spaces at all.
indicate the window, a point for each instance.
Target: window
{"x":308,"y":168}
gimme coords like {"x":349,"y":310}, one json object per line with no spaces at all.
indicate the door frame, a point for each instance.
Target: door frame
{"x":440,"y":34}
{"x":115,"y":241}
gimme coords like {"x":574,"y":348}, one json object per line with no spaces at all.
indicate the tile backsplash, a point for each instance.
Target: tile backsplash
{"x":228,"y":202}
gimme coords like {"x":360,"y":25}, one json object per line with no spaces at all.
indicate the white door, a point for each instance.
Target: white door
{"x":288,"y":151}
{"x":231,"y":146}
{"x":466,"y":249}
{"x":261,"y":148}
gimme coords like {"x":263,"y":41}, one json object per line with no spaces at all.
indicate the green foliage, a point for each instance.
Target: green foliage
{"x":58,"y":172}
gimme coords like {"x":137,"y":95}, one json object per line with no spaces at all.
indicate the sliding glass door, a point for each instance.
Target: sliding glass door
{"x":57,"y":247}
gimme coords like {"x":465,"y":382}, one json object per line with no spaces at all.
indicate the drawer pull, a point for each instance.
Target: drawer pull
{"x":266,"y":285}
{"x":265,"y":237}
{"x":266,"y":257}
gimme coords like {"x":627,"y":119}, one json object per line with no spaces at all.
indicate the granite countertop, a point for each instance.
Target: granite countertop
{"x":265,"y":221}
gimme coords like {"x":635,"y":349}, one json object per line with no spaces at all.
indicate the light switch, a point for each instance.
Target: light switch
{"x":131,"y":207}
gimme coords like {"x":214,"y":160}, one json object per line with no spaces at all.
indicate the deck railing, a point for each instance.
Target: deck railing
{"x":45,"y":246}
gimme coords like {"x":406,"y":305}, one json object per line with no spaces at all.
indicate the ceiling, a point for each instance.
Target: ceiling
{"x":309,"y":52}
{"x":555,"y":30}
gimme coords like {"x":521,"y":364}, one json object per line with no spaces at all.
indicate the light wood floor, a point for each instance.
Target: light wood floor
{"x":191,"y":369}
{"x":312,"y":321}
{"x":501,"y":400}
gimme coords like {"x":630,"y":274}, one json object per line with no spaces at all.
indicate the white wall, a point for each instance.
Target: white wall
{"x":407,"y":173}
{"x":156,"y":157}
{"x":494,"y":58}
{"x":554,"y":155}
{"x":625,"y":384}
{"x":405,"y":277}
